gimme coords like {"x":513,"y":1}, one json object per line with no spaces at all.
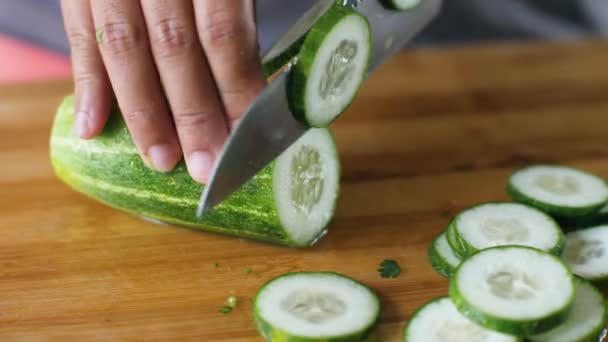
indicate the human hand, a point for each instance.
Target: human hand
{"x":182,"y":72}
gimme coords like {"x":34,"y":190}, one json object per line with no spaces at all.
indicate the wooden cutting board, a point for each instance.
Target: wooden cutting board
{"x":432,"y":132}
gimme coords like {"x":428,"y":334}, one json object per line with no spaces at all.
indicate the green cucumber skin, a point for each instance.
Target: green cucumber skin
{"x":466,"y":250}
{"x":510,"y":327}
{"x":273,"y":65}
{"x":454,"y":242}
{"x":390,"y":4}
{"x":296,"y":87}
{"x":273,"y":334}
{"x":553,"y":210}
{"x":113,"y":160}
{"x":437,"y":262}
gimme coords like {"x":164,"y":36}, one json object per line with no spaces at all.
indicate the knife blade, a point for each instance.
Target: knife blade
{"x":268,"y":127}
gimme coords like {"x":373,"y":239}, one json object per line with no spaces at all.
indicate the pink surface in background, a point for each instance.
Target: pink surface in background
{"x":21,"y":62}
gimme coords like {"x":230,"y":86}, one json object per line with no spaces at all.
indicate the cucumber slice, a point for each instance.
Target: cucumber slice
{"x":559,"y":191}
{"x":586,"y":253}
{"x":332,"y":64}
{"x":513,"y":289}
{"x":401,"y":5}
{"x":442,"y":256}
{"x":315,"y":306}
{"x":502,"y":223}
{"x":586,"y":320}
{"x":288,"y":46}
{"x":290,"y":202}
{"x":439,"y":321}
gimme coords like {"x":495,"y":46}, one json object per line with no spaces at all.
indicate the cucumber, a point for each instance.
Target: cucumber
{"x":503,"y":223}
{"x":586,"y":320}
{"x":558,"y":190}
{"x":586,"y":253}
{"x":442,"y":256}
{"x":331,"y":66}
{"x":516,"y":290}
{"x":290,"y":202}
{"x":439,"y":321}
{"x":401,"y":5}
{"x":315,"y":306}
{"x":288,"y":46}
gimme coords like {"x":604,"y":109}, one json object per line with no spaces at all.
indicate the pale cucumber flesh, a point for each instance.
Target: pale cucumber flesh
{"x":586,"y":253}
{"x":439,"y":321}
{"x":504,"y":223}
{"x":513,"y":289}
{"x":315,"y":306}
{"x":330,"y":67}
{"x":585,"y":321}
{"x":559,"y":191}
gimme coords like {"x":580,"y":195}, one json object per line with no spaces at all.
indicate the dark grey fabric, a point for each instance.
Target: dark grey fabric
{"x":461,"y":21}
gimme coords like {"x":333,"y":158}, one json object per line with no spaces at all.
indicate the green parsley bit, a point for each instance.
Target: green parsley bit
{"x":389,"y":269}
{"x":99,"y":35}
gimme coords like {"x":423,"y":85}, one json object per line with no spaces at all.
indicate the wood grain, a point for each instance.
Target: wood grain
{"x":432,"y":132}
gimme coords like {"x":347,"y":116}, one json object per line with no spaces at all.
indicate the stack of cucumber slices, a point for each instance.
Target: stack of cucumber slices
{"x":514,"y":274}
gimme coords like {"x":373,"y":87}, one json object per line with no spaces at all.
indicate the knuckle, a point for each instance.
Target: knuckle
{"x":170,"y":37}
{"x":144,"y":115}
{"x":191,"y":119}
{"x":222,"y":28}
{"x":80,"y":40}
{"x":121,"y":37}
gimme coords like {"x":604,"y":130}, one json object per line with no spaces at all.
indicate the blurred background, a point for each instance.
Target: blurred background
{"x":33,"y":44}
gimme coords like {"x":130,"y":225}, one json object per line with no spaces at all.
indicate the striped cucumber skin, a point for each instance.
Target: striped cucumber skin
{"x":110,"y":170}
{"x":438,"y":261}
{"x":464,"y":249}
{"x":519,"y":194}
{"x":401,"y":5}
{"x":567,"y":332}
{"x":508,"y":326}
{"x":299,"y":76}
{"x":274,"y":334}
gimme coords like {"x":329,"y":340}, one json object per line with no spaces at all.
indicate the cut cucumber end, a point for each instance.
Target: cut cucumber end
{"x":439,"y":321}
{"x":331,"y":66}
{"x":315,"y":306}
{"x":513,"y":289}
{"x":306,"y":185}
{"x":442,"y":256}
{"x":290,"y":202}
{"x":585,"y":321}
{"x":401,"y":5}
{"x":586,"y":253}
{"x":559,"y":191}
{"x":503,"y":223}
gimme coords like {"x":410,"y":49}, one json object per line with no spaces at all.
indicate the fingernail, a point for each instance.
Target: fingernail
{"x":199,"y":165}
{"x":81,"y":124}
{"x":162,"y":158}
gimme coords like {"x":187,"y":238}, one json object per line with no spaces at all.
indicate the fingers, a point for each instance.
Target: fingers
{"x":228,"y":33}
{"x":92,"y":87}
{"x":128,"y":60}
{"x":182,"y":65}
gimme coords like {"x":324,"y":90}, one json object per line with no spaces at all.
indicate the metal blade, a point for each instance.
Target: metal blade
{"x":391,"y":30}
{"x":265,"y":131}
